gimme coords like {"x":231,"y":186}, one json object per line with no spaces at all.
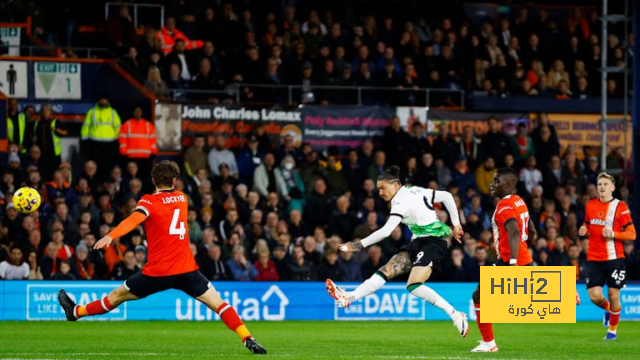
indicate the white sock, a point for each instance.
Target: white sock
{"x":368,"y":287}
{"x":491,"y":343}
{"x":433,"y":298}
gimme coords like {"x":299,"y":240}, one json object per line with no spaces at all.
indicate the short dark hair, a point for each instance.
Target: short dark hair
{"x":509,"y":172}
{"x":391,"y":174}
{"x":164,"y":172}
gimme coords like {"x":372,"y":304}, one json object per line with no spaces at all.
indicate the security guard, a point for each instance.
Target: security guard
{"x":16,"y":126}
{"x":100,"y":135}
{"x":138,"y":141}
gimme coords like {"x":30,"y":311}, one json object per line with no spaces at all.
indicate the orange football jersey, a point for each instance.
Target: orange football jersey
{"x":614,"y":215}
{"x":167,"y":234}
{"x":511,"y":208}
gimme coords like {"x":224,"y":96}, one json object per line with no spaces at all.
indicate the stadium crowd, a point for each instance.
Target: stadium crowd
{"x":274,"y":211}
{"x":208,"y":46}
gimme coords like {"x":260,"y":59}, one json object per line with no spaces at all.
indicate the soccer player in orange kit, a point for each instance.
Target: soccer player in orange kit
{"x":170,"y":264}
{"x":608,"y":223}
{"x":511,"y":230}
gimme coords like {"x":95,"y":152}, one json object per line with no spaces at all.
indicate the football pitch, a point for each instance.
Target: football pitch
{"x":310,"y":340}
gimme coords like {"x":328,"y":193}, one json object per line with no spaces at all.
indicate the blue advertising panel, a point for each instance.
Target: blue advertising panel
{"x":38,"y":300}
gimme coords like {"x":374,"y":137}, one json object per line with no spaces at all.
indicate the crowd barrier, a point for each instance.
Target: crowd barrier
{"x":38,"y":300}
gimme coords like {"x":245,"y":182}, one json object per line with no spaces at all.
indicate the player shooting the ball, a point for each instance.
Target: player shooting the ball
{"x":413,"y":206}
{"x":170,"y":263}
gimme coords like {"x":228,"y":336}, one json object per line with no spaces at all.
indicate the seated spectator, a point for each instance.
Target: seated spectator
{"x":374,"y":263}
{"x":342,"y":221}
{"x":155,"y":84}
{"x":300,"y":269}
{"x":394,"y":242}
{"x":141,"y":255}
{"x":64,"y":272}
{"x":82,"y":263}
{"x":213,"y":267}
{"x":453,"y":270}
{"x":126,"y":268}
{"x":34,"y":267}
{"x":241,"y":269}
{"x":267,"y":270}
{"x":529,"y":175}
{"x":14,"y":268}
{"x":350,"y":268}
{"x":310,"y":251}
{"x":329,"y":268}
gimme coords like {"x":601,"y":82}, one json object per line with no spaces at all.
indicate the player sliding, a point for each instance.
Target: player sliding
{"x":412,"y":206}
{"x":511,"y":228}
{"x":170,"y":262}
{"x":608,"y":223}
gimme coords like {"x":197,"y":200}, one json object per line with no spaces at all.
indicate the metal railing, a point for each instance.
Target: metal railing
{"x":135,"y":10}
{"x":334,"y":95}
{"x":80,"y":52}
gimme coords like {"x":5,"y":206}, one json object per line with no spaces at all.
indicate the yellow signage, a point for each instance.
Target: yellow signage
{"x":528,"y":294}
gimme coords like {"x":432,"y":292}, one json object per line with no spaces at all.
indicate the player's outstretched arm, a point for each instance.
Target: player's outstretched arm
{"x":376,"y":237}
{"x":514,"y":239}
{"x":445,"y":197}
{"x":122,"y":229}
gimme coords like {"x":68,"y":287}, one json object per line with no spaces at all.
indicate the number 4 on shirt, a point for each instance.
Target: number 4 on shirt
{"x":174,"y":229}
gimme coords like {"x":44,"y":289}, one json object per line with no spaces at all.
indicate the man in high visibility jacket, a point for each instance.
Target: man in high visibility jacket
{"x":138,"y":141}
{"x":100,"y":135}
{"x":16,"y":126}
{"x":169,"y":34}
{"x":45,"y":132}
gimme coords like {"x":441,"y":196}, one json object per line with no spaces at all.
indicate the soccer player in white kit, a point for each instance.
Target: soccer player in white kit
{"x":413,"y":206}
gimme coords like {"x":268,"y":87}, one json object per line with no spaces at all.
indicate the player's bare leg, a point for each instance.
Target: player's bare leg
{"x":415,"y":285}
{"x":488,"y":343}
{"x":74,"y":312}
{"x":399,"y":264}
{"x":228,"y":314}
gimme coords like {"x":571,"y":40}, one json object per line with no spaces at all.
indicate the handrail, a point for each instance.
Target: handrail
{"x":135,"y":11}
{"x":91,"y":52}
{"x":234,"y":90}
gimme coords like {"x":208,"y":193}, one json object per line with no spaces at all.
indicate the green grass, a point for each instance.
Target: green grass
{"x":309,"y":340}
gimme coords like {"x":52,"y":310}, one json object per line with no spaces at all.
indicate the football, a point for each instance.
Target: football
{"x":26,"y":200}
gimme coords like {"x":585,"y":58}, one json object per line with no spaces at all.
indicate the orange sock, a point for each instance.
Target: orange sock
{"x":230,"y":318}
{"x":486,"y":329}
{"x":97,"y":307}
{"x":614,"y":320}
{"x":605,"y":305}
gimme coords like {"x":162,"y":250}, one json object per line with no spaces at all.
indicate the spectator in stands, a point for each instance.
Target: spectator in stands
{"x":154,"y":83}
{"x":318,"y":205}
{"x":300,"y":269}
{"x":14,"y":268}
{"x":241,"y":269}
{"x":530,"y":175}
{"x":268,"y":178}
{"x":213,"y":267}
{"x":47,"y":131}
{"x":100,"y":135}
{"x":120,"y":30}
{"x":138,"y":141}
{"x":126,"y":268}
{"x":329,"y":268}
{"x":221,"y":154}
{"x":17,"y":132}
{"x":195,"y":158}
{"x":169,"y":36}
{"x":521,"y":145}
